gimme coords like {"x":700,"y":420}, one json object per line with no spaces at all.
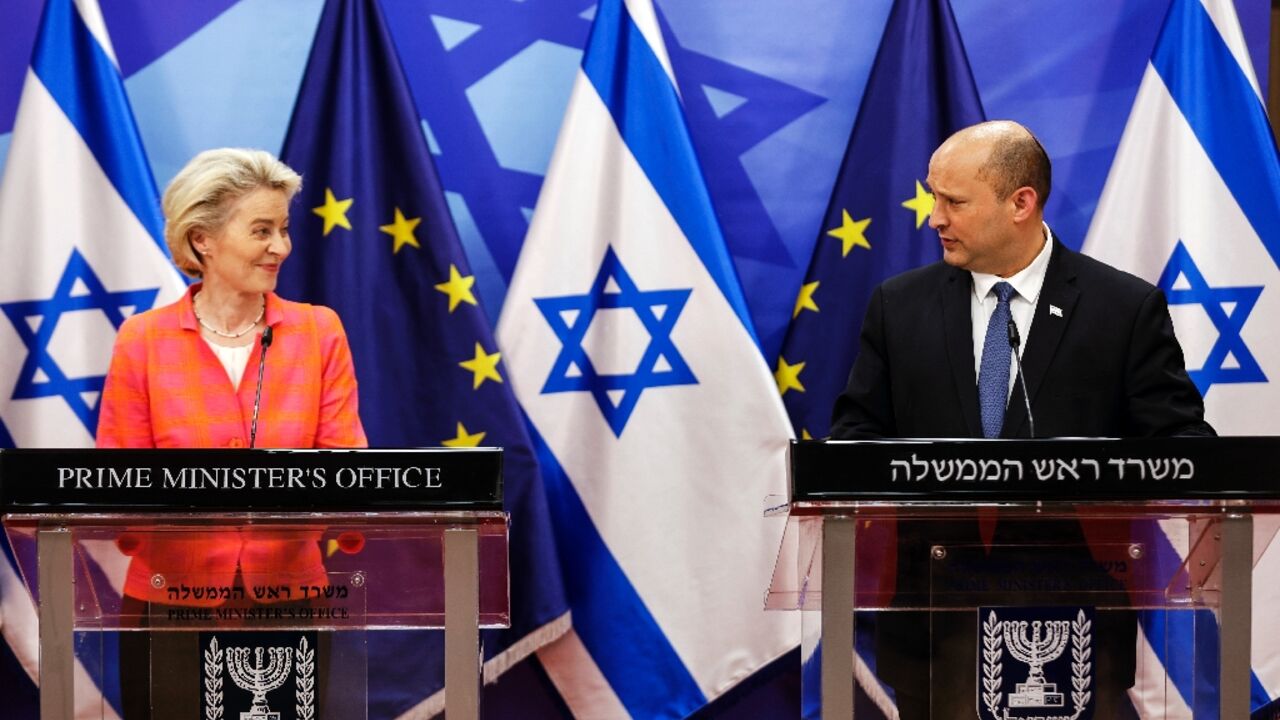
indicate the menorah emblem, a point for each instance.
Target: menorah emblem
{"x":257,"y":678}
{"x":1047,"y":641}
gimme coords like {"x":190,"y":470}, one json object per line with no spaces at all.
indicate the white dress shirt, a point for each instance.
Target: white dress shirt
{"x":1022,"y":304}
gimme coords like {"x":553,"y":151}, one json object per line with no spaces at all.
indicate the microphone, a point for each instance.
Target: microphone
{"x":257,"y":398}
{"x":1014,"y":341}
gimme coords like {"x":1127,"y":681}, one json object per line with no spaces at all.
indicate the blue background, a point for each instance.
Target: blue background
{"x":770,"y":87}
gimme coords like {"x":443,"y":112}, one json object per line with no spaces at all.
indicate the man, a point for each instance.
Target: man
{"x":1099,"y":359}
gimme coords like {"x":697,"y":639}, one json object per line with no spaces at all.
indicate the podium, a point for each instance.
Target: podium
{"x":245,"y":583}
{"x":1031,"y":551}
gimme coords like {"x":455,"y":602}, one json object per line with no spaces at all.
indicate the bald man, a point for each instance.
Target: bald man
{"x":1100,"y":359}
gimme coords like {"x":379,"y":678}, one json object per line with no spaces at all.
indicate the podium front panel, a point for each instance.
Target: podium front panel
{"x":1050,"y":596}
{"x":247,"y":583}
{"x":1148,"y":590}
{"x":221,"y":567}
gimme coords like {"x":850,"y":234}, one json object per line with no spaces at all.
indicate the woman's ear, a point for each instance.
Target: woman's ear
{"x":199,"y":240}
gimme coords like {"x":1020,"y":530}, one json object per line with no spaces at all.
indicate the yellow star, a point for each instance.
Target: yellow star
{"x":788,"y":376}
{"x":464,"y":438}
{"x":851,"y":232}
{"x":804,"y":434}
{"x":922,"y":203}
{"x":334,"y":212}
{"x":805,"y":300}
{"x":458,"y":288}
{"x":402,"y":230}
{"x":484,"y":366}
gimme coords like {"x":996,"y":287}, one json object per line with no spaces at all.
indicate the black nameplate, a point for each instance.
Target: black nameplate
{"x":1246,"y":468}
{"x":249,"y":480}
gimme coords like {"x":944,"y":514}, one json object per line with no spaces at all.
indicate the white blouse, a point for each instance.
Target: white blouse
{"x":234,"y":359}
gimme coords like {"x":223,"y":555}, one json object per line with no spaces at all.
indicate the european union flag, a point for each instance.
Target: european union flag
{"x":920,"y":91}
{"x":373,"y":239}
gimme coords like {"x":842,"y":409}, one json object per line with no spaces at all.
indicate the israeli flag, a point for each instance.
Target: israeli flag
{"x":81,"y":247}
{"x":1192,"y":204}
{"x":80,"y":232}
{"x":662,"y":432}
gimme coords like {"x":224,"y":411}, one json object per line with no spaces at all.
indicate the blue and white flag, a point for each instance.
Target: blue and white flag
{"x":659,"y":427}
{"x":1192,"y":204}
{"x":80,"y":232}
{"x":18,"y":625}
{"x":81,"y":247}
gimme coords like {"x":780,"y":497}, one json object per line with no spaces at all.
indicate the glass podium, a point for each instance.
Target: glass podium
{"x":244,"y":584}
{"x":1027,"y":580}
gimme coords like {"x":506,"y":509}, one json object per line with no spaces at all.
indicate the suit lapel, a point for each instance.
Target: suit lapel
{"x":958,"y":324}
{"x":1058,"y":297}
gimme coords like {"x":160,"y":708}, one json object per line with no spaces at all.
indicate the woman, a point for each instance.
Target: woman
{"x":186,"y":376}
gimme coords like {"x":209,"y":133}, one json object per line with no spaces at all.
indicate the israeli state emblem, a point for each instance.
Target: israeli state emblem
{"x":258,"y":664}
{"x":1035,"y":663}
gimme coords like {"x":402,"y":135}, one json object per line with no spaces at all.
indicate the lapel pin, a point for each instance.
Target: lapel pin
{"x":1055,"y":310}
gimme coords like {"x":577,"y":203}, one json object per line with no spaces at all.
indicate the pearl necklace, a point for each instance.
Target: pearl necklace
{"x":219,"y":333}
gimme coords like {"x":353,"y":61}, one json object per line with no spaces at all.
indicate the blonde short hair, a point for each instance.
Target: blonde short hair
{"x":199,"y":198}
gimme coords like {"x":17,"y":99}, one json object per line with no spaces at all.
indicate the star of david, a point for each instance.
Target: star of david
{"x":497,"y":194}
{"x":768,"y":106}
{"x":1228,"y":308}
{"x":78,"y":289}
{"x":661,"y":364}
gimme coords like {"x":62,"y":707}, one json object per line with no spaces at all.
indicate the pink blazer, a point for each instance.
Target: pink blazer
{"x":166,"y":389}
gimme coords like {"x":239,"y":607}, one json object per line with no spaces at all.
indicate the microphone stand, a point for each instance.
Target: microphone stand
{"x":1014,"y":341}
{"x":257,"y":398}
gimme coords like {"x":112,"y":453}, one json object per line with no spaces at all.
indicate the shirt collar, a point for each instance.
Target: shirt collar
{"x":1026,"y":282}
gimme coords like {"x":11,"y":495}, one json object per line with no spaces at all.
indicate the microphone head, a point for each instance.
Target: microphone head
{"x":266,"y":337}
{"x":1014,"y":339}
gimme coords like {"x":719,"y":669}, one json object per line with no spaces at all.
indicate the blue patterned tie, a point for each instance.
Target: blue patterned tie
{"x":993,"y":376}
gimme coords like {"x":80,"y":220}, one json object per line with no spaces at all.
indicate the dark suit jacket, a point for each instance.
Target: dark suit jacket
{"x":1107,"y":366}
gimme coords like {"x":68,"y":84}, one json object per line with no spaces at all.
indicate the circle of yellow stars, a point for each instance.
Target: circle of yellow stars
{"x":852,"y":233}
{"x":334,"y":213}
{"x":483,"y":365}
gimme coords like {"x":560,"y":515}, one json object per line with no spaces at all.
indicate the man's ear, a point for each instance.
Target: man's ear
{"x":1025,"y":200}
